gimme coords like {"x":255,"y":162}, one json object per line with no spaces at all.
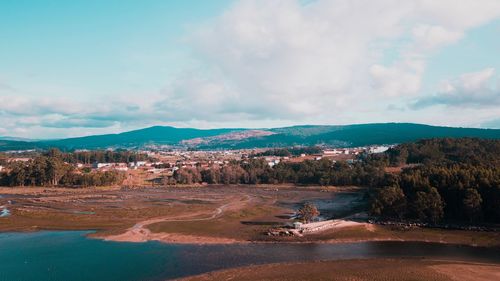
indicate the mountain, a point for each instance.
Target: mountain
{"x":358,"y":135}
{"x":7,"y":138}
{"x":338,"y":135}
{"x":162,"y":135}
{"x":19,"y":145}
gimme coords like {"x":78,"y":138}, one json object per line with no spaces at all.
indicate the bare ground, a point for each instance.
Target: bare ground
{"x":360,"y":270}
{"x":207,"y":214}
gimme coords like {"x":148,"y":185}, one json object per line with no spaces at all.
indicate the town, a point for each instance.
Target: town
{"x":152,"y":167}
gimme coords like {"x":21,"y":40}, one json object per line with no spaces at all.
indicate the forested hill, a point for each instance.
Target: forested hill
{"x":162,"y":135}
{"x":454,"y":179}
{"x":340,"y":136}
{"x":360,"y":135}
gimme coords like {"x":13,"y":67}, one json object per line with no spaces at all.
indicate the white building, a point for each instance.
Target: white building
{"x":378,"y":149}
{"x":101,"y":165}
{"x":138,"y":164}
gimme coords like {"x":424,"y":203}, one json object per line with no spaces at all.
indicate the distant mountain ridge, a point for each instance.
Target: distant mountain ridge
{"x":239,"y":138}
{"x":7,"y":138}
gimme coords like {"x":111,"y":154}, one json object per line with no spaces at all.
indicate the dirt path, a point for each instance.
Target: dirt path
{"x":140,"y":233}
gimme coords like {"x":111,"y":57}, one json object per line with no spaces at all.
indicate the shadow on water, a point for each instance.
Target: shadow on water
{"x":71,"y":256}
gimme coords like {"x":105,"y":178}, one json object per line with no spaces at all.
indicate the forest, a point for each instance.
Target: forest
{"x":447,"y":179}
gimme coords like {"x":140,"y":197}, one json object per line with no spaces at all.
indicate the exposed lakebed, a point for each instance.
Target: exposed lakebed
{"x":69,"y":255}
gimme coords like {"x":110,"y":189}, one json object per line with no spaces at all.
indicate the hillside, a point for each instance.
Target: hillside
{"x":19,"y":145}
{"x":162,"y":135}
{"x":357,"y":135}
{"x":339,"y":136}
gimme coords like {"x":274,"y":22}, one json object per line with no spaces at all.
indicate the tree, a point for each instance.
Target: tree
{"x":308,"y":212}
{"x":390,"y":202}
{"x":17,"y":176}
{"x":428,"y":206}
{"x":188,"y":175}
{"x":211,"y":175}
{"x":472,"y":204}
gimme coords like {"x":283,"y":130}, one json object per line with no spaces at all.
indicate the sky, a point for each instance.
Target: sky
{"x":82,"y":67}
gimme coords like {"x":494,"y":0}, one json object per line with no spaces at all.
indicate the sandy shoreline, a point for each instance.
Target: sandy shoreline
{"x":176,"y":238}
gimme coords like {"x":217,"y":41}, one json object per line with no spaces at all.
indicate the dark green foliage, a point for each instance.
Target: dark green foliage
{"x":472,"y":204}
{"x":453,"y":179}
{"x":390,"y":202}
{"x":426,"y":206}
{"x":472,"y":151}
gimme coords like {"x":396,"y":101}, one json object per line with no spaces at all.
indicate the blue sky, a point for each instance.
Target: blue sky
{"x":70,"y":68}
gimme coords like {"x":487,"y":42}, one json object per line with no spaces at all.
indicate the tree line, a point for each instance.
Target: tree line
{"x":308,"y":172}
{"x":50,"y":169}
{"x":103,"y":156}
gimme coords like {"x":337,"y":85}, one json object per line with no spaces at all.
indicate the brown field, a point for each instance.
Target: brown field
{"x":201,"y":214}
{"x":360,"y":270}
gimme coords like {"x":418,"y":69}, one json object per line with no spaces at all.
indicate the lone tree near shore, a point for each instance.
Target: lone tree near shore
{"x":308,"y":212}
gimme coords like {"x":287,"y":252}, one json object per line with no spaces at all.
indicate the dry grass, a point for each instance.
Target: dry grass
{"x":247,"y":223}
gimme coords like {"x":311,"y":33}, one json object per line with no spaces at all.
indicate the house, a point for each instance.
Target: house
{"x":378,"y":149}
{"x":98,"y":165}
{"x":137,"y":164}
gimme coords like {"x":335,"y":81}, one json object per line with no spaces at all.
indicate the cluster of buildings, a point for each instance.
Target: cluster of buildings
{"x":166,"y":162}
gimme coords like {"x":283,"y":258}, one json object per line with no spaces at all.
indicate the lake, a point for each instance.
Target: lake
{"x":69,"y":255}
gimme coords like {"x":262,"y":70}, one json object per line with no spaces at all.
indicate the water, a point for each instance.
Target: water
{"x":339,"y":205}
{"x":70,"y":256}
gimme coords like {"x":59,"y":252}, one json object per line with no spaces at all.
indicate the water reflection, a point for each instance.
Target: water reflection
{"x":4,"y":212}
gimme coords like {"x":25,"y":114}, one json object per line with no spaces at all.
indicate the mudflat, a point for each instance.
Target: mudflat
{"x":358,"y":270}
{"x":214,"y":214}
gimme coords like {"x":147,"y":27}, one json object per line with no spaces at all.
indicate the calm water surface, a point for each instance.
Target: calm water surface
{"x":68,"y":255}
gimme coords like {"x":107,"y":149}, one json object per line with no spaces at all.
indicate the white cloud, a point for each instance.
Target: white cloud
{"x":403,"y":78}
{"x":475,"y":89}
{"x":428,"y":37}
{"x":281,"y":59}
